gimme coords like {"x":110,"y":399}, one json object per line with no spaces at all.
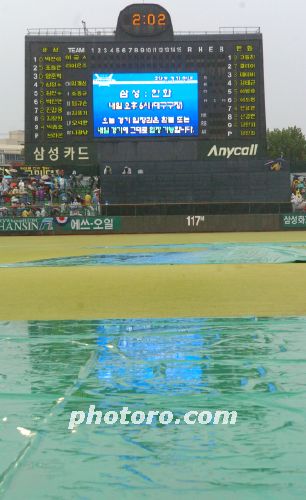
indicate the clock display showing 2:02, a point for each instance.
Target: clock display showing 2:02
{"x":145,"y":20}
{"x":149,"y":19}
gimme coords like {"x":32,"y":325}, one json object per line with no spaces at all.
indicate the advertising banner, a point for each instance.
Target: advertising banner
{"x":289,"y":221}
{"x":58,"y":225}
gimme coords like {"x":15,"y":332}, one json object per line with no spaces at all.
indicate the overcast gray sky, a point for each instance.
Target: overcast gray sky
{"x":282,"y":23}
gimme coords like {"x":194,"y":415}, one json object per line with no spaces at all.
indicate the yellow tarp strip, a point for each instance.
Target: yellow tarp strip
{"x":146,"y":291}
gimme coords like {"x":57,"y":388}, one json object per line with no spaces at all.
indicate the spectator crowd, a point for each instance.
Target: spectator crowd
{"x":298,"y":192}
{"x":23,"y":195}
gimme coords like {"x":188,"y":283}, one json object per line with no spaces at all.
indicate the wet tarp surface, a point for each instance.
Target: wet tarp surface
{"x":255,"y":366}
{"x":214,"y":253}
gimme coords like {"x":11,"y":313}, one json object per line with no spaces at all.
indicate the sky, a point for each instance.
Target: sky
{"x":282,"y":23}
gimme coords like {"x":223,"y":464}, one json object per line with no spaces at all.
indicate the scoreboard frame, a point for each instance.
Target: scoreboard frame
{"x":231,"y":92}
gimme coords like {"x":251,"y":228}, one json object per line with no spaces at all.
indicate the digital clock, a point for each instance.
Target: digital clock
{"x":149,"y":19}
{"x":144,"y":20}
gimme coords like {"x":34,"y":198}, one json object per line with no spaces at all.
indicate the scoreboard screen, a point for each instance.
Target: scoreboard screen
{"x":145,"y":104}
{"x":142,"y":84}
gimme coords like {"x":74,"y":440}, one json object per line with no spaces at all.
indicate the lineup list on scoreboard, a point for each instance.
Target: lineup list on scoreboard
{"x":59,"y":90}
{"x":60,"y":105}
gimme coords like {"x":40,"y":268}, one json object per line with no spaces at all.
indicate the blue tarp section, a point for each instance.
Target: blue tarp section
{"x":217,"y":253}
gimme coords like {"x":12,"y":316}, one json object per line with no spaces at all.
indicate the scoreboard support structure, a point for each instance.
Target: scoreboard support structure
{"x":145,"y":97}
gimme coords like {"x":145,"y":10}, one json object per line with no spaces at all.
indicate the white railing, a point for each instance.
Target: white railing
{"x":224,"y":30}
{"x":70,"y":31}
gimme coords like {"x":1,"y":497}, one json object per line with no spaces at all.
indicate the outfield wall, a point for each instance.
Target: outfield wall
{"x":150,"y":224}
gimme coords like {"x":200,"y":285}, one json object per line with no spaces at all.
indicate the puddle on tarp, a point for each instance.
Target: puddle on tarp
{"x":255,"y":366}
{"x":219,"y":253}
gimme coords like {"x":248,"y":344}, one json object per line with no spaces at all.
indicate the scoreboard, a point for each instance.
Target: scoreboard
{"x":93,"y":97}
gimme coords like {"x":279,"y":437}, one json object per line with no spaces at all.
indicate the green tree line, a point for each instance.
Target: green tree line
{"x":288,"y":142}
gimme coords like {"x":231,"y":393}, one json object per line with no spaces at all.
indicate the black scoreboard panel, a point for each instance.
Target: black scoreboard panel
{"x":68,"y":122}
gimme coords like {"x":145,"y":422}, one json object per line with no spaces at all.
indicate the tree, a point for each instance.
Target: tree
{"x":289,"y":142}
